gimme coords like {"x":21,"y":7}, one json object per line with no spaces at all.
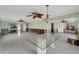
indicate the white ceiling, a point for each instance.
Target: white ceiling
{"x":16,"y":12}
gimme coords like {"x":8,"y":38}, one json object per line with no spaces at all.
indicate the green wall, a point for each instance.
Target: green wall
{"x":39,"y":24}
{"x":4,"y":24}
{"x":77,"y":23}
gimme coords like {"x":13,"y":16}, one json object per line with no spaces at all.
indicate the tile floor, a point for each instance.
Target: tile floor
{"x":10,"y":44}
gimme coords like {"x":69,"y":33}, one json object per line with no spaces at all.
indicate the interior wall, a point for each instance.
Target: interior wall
{"x":39,"y":25}
{"x":77,"y":23}
{"x":44,"y":25}
{"x":4,"y":25}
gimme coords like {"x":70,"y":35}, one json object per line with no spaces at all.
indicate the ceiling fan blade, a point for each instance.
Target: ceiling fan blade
{"x":34,"y":17}
{"x":28,"y":15}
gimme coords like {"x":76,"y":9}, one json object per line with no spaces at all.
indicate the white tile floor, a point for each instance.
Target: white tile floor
{"x":9,"y":44}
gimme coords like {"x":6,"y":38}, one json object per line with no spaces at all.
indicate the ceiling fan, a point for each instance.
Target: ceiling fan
{"x":35,"y":14}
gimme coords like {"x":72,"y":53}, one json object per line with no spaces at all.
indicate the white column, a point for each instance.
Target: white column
{"x":19,"y":33}
{"x":24,"y":27}
{"x":42,"y":44}
{"x":48,"y":32}
{"x":61,"y":27}
{"x":19,"y":30}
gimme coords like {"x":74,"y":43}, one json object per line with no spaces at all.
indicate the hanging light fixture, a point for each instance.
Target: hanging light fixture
{"x":47,"y":16}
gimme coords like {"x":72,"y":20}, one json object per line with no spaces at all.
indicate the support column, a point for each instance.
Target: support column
{"x":19,"y":33}
{"x":19,"y":30}
{"x":24,"y":27}
{"x":48,"y":32}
